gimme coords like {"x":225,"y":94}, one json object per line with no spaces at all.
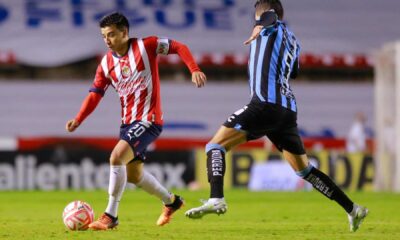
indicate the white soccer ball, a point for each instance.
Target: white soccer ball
{"x":78,"y":215}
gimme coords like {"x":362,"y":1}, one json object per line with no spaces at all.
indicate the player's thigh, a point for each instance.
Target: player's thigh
{"x":229,"y":137}
{"x":288,"y":141}
{"x":134,"y":171}
{"x":297,"y":162}
{"x":121,"y":154}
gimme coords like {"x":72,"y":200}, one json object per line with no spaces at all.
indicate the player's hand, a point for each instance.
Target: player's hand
{"x":199,"y":79}
{"x":72,"y":125}
{"x":256,"y":32}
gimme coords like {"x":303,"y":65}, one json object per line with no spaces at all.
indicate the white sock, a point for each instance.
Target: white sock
{"x":214,"y":200}
{"x":116,"y":188}
{"x":152,"y":186}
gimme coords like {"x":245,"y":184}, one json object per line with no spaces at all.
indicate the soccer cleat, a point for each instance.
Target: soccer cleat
{"x":105,"y":222}
{"x":169,"y":209}
{"x":217,"y":206}
{"x":357,"y":217}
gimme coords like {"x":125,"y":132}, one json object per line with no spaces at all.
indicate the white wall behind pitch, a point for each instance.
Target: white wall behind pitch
{"x":41,"y":108}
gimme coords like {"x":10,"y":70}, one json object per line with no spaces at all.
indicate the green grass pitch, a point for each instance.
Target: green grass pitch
{"x":251,"y":215}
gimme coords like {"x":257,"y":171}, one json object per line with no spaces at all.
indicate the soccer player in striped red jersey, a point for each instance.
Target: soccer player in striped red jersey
{"x":130,"y":67}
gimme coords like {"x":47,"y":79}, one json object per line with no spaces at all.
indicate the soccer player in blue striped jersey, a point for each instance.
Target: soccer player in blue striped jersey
{"x":273,"y":60}
{"x":272,"y":112}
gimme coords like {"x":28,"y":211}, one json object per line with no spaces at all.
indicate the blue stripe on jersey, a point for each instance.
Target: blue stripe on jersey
{"x":272,"y":70}
{"x":251,"y":65}
{"x":292,"y":100}
{"x":284,"y":100}
{"x":293,"y":105}
{"x":283,"y":68}
{"x":260,"y":65}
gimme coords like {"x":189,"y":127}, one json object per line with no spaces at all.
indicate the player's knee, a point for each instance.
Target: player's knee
{"x":115,"y":159}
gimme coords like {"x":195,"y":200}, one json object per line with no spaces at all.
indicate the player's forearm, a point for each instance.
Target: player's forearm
{"x":89,"y":104}
{"x":184,"y":53}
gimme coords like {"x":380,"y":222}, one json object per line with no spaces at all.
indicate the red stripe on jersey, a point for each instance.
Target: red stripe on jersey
{"x":130,"y":102}
{"x":111,"y":67}
{"x":138,"y":57}
{"x":142,"y":100}
{"x":150,"y":115}
{"x":101,"y":82}
{"x":121,"y":99}
{"x":100,"y":72}
{"x":154,"y":114}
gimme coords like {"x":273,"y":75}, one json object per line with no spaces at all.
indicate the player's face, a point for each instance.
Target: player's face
{"x":113,"y":37}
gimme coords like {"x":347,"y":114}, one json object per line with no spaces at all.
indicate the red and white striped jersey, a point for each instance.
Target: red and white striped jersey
{"x":135,"y":78}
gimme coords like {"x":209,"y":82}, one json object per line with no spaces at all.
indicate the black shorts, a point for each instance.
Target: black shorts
{"x":266,"y":119}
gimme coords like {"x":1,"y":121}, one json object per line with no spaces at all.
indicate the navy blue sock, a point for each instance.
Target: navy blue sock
{"x":324,"y":184}
{"x":216,"y":169}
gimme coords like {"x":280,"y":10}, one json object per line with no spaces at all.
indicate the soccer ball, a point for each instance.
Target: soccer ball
{"x":78,"y":215}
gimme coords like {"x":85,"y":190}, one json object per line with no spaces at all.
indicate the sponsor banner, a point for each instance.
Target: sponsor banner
{"x":79,"y":167}
{"x":39,"y":32}
{"x":82,"y":163}
{"x":350,"y":171}
{"x":275,"y":176}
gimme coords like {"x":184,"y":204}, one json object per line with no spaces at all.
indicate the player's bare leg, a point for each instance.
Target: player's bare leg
{"x":151,"y":185}
{"x":120,"y":156}
{"x":228,"y":137}
{"x":224,"y":140}
{"x":327,"y":187}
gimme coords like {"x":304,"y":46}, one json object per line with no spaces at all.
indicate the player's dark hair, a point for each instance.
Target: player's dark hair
{"x":273,"y":4}
{"x":115,"y":18}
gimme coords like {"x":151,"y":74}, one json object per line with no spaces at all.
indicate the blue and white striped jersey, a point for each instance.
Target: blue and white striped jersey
{"x":273,"y":61}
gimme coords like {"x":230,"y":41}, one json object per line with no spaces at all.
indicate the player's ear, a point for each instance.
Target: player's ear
{"x":126,"y":32}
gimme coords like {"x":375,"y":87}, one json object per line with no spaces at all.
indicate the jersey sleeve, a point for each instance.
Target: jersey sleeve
{"x":165,"y":46}
{"x":296,"y":64}
{"x":295,"y":69}
{"x":101,"y":82}
{"x":88,"y":106}
{"x":158,"y":45}
{"x":184,"y":53}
